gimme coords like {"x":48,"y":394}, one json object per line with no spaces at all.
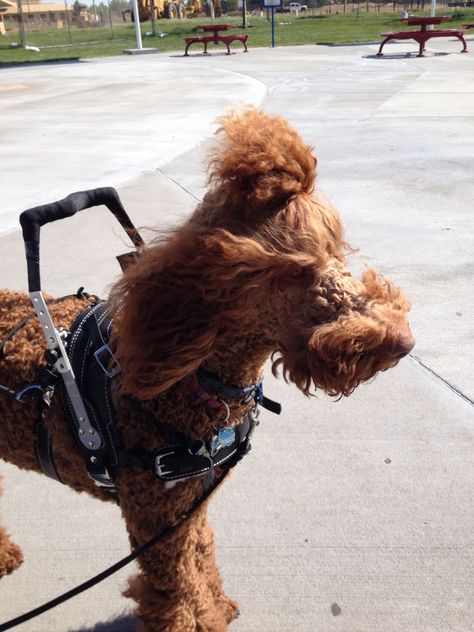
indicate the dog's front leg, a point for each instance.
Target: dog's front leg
{"x":206,"y":552}
{"x":173,"y":591}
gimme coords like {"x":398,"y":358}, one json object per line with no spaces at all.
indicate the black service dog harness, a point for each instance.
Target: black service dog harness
{"x":84,"y":360}
{"x":94,"y":367}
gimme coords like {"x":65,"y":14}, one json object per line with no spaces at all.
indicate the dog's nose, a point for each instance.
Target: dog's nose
{"x":405,"y":344}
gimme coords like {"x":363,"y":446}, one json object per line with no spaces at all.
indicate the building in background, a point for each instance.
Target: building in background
{"x":38,"y":14}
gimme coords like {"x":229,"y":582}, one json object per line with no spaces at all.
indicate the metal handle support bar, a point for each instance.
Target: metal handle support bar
{"x":87,"y":434}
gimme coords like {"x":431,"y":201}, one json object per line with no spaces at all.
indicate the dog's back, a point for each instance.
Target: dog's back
{"x":21,"y":356}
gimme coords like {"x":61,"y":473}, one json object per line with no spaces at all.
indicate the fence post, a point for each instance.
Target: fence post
{"x":21,"y":23}
{"x":110,"y":20}
{"x":67,"y":21}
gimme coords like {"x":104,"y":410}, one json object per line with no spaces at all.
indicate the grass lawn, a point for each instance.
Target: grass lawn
{"x":289,"y":30}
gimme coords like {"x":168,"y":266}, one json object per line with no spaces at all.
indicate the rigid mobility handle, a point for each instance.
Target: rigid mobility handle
{"x":32,"y":219}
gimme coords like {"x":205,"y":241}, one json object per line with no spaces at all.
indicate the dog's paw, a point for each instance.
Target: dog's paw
{"x":231,"y":609}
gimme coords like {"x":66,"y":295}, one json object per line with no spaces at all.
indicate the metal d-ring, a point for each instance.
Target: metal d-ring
{"x":227,"y":414}
{"x":225,"y":435}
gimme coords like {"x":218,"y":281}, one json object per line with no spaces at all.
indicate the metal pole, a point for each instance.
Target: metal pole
{"x":433,"y":8}
{"x":136,"y":15}
{"x":67,"y":21}
{"x":153,"y":21}
{"x":273,"y":27}
{"x":244,"y":14}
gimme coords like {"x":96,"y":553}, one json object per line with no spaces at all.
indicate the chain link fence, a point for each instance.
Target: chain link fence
{"x":52,"y":24}
{"x":49,"y":24}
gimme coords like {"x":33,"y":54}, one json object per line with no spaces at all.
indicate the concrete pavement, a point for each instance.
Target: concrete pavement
{"x":351,"y":516}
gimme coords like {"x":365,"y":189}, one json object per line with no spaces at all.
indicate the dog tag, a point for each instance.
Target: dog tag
{"x":223,"y":439}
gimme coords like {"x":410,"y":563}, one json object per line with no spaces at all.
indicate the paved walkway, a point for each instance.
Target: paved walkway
{"x":369,"y":528}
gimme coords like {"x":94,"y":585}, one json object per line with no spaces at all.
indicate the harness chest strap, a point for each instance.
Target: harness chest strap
{"x":176,"y":462}
{"x":179,"y":461}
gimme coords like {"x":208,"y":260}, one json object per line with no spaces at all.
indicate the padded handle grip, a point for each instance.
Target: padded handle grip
{"x":32,"y":219}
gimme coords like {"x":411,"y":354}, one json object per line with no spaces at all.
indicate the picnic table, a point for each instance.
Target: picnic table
{"x":215,"y":37}
{"x":423,"y":34}
{"x":215,"y":28}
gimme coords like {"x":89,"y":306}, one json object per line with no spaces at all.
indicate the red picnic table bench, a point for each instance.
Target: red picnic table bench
{"x":423,"y":34}
{"x":215,"y":38}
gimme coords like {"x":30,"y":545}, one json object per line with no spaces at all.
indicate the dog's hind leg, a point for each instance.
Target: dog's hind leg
{"x":10,"y":554}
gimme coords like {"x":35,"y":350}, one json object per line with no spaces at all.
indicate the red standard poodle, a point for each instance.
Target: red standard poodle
{"x":256,"y":272}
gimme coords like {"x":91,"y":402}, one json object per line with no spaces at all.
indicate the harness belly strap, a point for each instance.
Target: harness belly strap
{"x":44,"y":450}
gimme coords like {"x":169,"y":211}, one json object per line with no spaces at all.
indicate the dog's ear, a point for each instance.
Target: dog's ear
{"x":338,"y":356}
{"x":173,"y":302}
{"x":161,"y":333}
{"x":259,"y":163}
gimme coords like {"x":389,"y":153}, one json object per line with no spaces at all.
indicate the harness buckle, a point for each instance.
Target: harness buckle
{"x":159,"y":467}
{"x":99,"y":474}
{"x":104,"y":355}
{"x":184,"y":462}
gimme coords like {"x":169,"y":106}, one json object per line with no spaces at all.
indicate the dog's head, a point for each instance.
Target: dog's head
{"x":347,"y":331}
{"x":331,"y":330}
{"x":262,"y":260}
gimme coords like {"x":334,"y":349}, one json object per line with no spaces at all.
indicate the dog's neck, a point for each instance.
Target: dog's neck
{"x":239,"y":359}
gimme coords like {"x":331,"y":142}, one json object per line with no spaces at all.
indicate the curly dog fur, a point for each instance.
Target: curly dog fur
{"x":257,"y":272}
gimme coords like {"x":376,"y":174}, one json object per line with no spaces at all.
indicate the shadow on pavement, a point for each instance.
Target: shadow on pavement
{"x":407,"y":55}
{"x":121,"y":624}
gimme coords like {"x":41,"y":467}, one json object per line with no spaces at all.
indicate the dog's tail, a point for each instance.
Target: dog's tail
{"x":259,"y":162}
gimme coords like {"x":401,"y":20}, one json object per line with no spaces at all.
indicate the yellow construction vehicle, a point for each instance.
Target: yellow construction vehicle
{"x":174,"y":9}
{"x":161,"y":8}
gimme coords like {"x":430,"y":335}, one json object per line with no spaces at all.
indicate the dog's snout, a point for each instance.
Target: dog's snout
{"x":404,"y":345}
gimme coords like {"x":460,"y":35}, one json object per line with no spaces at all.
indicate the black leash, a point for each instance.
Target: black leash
{"x":8,"y":625}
